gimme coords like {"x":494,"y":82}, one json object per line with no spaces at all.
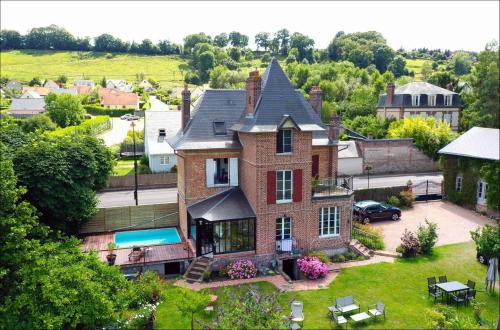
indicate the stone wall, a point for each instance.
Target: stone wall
{"x":395,"y":156}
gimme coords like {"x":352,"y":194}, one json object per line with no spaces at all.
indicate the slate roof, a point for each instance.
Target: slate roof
{"x":402,"y":95}
{"x":230,"y":204}
{"x":279,"y":98}
{"x":478,"y":142}
{"x":35,"y":104}
{"x":153,"y":121}
{"x":213,"y":105}
{"x":72,"y":91}
{"x":84,"y":82}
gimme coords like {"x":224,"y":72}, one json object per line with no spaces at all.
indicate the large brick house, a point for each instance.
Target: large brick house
{"x":257,"y":172}
{"x":420,"y":99}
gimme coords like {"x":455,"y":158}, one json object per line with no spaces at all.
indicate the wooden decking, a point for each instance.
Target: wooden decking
{"x":154,"y":254}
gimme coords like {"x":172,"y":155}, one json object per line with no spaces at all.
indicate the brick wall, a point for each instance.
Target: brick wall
{"x":395,"y":156}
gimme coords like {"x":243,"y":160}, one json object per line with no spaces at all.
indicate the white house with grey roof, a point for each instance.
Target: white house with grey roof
{"x":420,"y":99}
{"x":26,"y":107}
{"x":482,"y":146}
{"x":158,"y":127}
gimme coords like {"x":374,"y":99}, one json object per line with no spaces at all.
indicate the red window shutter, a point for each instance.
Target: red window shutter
{"x":315,"y":166}
{"x":297,"y":185}
{"x":271,"y":187}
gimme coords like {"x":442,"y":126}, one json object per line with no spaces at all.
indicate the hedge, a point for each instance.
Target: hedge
{"x":92,"y":126}
{"x":97,"y":110}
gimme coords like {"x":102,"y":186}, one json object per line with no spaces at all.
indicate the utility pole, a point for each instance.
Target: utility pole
{"x":135,"y":165}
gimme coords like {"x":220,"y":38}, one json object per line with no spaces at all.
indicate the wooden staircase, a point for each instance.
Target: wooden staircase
{"x":359,"y":248}
{"x":198,"y":267}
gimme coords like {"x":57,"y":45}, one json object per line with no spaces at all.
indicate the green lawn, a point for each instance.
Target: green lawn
{"x":416,"y":65}
{"x":401,"y":286}
{"x":26,"y":64}
{"x":124,"y":167}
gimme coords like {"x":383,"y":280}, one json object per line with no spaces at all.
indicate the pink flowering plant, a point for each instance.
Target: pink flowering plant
{"x":312,"y":267}
{"x":241,"y":269}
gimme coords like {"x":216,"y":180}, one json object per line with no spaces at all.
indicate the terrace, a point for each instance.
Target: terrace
{"x":331,"y":187}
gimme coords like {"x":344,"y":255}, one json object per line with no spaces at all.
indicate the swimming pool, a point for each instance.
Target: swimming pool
{"x":147,"y":237}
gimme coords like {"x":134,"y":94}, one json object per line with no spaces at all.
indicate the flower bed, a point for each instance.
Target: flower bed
{"x":312,"y":267}
{"x":241,"y":269}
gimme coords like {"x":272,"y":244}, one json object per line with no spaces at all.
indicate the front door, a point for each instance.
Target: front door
{"x":205,"y":238}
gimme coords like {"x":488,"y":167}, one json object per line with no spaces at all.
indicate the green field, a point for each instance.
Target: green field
{"x":401,"y":286}
{"x":416,"y":65}
{"x":26,"y":64}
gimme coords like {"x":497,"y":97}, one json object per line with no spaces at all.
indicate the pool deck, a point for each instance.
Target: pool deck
{"x":155,"y":253}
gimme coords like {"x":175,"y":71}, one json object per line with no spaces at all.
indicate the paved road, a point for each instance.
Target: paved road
{"x":146,"y":197}
{"x":377,"y":181}
{"x":157,"y":104}
{"x":119,"y":131}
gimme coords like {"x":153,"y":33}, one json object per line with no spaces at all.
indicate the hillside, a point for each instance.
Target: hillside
{"x":26,"y":64}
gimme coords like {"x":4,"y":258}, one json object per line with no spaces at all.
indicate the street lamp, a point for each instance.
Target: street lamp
{"x":368,"y":168}
{"x":135,"y":165}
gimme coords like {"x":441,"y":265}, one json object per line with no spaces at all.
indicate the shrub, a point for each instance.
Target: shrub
{"x":320,"y":255}
{"x":487,"y":240}
{"x":338,"y":258}
{"x":369,"y":236}
{"x":406,"y":198}
{"x":92,"y":126}
{"x":312,"y":267}
{"x":147,"y":289}
{"x":410,"y":244}
{"x":144,"y":160}
{"x":393,"y":200}
{"x":427,"y":236}
{"x":241,"y":269}
{"x":351,"y":255}
{"x":223,"y":272}
{"x":142,"y":319}
{"x":97,"y":110}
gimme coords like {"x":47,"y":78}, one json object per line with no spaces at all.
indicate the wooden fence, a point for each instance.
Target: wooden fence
{"x":133,"y":217}
{"x":143,"y":180}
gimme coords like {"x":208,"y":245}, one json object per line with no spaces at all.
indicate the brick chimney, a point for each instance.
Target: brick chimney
{"x":254,"y":83}
{"x":316,"y":99}
{"x":390,"y":93}
{"x":334,"y":128}
{"x":186,"y":106}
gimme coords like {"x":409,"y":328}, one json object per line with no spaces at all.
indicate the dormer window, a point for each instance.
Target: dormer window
{"x":431,"y":100}
{"x":220,"y":128}
{"x":415,"y":100}
{"x":284,"y":141}
{"x":447,"y":100}
{"x":162,"y":132}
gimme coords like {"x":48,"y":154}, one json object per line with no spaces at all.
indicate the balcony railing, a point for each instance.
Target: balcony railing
{"x":288,"y":246}
{"x":339,"y":186}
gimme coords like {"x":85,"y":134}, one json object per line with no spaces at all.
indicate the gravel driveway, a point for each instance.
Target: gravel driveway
{"x":454,"y":223}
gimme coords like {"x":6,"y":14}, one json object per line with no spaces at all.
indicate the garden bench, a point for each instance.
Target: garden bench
{"x":346,"y":304}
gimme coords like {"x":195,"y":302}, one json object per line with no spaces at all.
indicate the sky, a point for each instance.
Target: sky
{"x":466,"y":25}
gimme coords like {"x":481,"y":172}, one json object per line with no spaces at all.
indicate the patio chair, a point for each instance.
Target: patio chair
{"x":297,"y":314}
{"x":431,"y":282}
{"x":339,"y":319}
{"x":136,"y":254}
{"x":435,"y":292}
{"x":470,"y":296}
{"x":443,"y":279}
{"x":346,"y":304}
{"x":471,"y":284}
{"x":379,"y":309}
{"x":459,"y":297}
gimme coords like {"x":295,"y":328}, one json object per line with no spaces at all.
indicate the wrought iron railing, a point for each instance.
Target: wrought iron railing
{"x":287,"y":245}
{"x":341,"y":185}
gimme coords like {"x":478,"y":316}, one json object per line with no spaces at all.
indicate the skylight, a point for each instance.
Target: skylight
{"x":220,"y":128}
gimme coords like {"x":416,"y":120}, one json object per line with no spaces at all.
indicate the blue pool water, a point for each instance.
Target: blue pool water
{"x":147,"y":237}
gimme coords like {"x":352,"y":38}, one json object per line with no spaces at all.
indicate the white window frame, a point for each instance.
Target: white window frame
{"x":431,"y":100}
{"x":164,"y":160}
{"x":210,"y":168}
{"x":482,"y":188}
{"x":283,"y":187}
{"x":448,"y":100}
{"x":458,"y":183}
{"x":329,"y":212}
{"x":281,"y":223}
{"x":415,"y":100}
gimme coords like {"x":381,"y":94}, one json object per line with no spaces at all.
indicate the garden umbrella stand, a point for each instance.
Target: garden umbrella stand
{"x":492,"y":275}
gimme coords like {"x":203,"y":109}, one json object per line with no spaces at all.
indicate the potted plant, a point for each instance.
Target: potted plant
{"x":111,"y":257}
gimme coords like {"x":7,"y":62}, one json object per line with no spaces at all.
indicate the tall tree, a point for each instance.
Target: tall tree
{"x":382,"y":56}
{"x":263,"y":40}
{"x":221,"y":40}
{"x":10,"y":39}
{"x":283,"y":36}
{"x":304,"y":45}
{"x":238,"y":40}
{"x":191,"y":40}
{"x":64,"y":109}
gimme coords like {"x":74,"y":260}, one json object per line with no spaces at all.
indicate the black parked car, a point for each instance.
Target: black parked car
{"x":367,"y":211}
